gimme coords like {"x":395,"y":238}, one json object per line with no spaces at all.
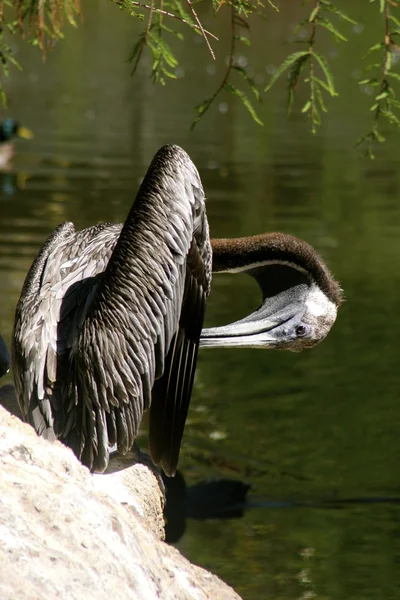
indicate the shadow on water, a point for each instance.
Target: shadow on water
{"x":219,"y":499}
{"x":227,"y":499}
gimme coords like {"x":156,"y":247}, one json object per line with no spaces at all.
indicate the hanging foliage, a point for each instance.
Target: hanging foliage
{"x":41,"y":22}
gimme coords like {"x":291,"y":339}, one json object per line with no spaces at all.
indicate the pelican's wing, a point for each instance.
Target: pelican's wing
{"x":171,"y":393}
{"x":144,"y":322}
{"x":57,"y":290}
{"x":29,"y":347}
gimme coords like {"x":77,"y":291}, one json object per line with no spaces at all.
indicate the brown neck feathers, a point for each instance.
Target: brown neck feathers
{"x":239,"y":253}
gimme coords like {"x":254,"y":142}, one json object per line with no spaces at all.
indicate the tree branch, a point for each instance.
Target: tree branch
{"x":173,"y":16}
{"x":200,"y":26}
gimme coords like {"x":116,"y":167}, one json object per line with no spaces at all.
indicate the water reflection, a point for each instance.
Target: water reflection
{"x":10,"y":183}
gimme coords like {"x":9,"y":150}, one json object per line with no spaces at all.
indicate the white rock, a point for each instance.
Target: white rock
{"x":69,"y":535}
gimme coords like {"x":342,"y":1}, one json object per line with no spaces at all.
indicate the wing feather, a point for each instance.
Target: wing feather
{"x":29,"y":345}
{"x":47,"y":318}
{"x":172,"y":392}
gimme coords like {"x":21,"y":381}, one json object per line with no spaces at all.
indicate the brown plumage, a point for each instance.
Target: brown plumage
{"x":240,"y":253}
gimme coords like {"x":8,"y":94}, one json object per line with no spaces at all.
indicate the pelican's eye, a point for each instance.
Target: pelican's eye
{"x":301,"y":330}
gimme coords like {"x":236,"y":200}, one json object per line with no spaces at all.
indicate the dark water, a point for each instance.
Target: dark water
{"x":316,"y":435}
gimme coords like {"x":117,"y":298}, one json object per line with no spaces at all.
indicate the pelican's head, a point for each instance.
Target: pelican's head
{"x":311,"y":322}
{"x":300,"y":296}
{"x":294,"y":319}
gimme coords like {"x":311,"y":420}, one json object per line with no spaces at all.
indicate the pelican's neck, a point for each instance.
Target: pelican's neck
{"x":248,"y":253}
{"x":139,"y":254}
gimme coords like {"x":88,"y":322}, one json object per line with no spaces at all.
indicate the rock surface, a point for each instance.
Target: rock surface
{"x":67,"y":534}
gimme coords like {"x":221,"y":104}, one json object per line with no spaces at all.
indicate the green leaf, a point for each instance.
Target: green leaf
{"x":273,"y":5}
{"x":373,"y":82}
{"x":394,"y":19}
{"x":330,"y":27}
{"x":284,"y":66}
{"x":215,"y":5}
{"x":316,"y":119}
{"x":306,"y":107}
{"x":329,"y":7}
{"x":373,"y":66}
{"x":382,"y":95}
{"x":297,"y":67}
{"x":246,"y":102}
{"x":242,"y":38}
{"x":200,"y":109}
{"x":381,"y":4}
{"x":162,"y":57}
{"x":329,"y":77}
{"x":14,"y":62}
{"x":249,"y":80}
{"x":375,"y":48}
{"x":168,"y":73}
{"x":320,"y":99}
{"x":136,"y":51}
{"x":164,"y":27}
{"x":314,"y":14}
{"x":184,"y":15}
{"x":391,"y":117}
{"x":321,"y":83}
{"x":377,"y":135}
{"x":165,"y":51}
{"x":388,"y":61}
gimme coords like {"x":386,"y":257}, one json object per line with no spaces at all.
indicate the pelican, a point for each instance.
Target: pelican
{"x":109,"y":319}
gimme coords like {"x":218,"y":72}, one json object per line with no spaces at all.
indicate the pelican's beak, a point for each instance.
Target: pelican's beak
{"x":264,"y":328}
{"x":24,"y":133}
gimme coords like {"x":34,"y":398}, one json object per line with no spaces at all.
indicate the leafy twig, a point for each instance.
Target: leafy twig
{"x":200,"y":26}
{"x":315,"y":118}
{"x":297,"y":62}
{"x":45,"y":17}
{"x":202,"y":108}
{"x":385,"y":100}
{"x":142,"y":41}
{"x":168,"y":14}
{"x":225,"y":84}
